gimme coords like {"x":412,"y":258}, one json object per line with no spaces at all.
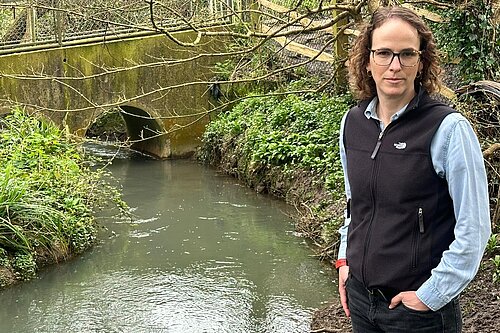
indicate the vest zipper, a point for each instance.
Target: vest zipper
{"x":416,"y":237}
{"x":377,"y":146}
{"x":381,"y":135}
{"x":373,"y":184}
{"x":421,"y":220}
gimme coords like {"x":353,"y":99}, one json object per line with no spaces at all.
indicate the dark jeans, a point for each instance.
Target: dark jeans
{"x":371,"y":313}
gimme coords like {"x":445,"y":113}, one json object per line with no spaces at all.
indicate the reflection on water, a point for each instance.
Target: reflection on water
{"x":202,"y":254}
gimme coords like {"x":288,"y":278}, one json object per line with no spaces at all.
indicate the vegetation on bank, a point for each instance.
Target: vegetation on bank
{"x":48,"y":194}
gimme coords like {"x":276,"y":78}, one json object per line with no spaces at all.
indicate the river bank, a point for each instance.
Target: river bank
{"x":49,"y":193}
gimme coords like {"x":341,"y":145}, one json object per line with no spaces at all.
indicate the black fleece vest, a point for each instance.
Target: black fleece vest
{"x":402,"y":216}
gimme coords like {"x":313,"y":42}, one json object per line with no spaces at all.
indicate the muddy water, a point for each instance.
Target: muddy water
{"x":202,"y":253}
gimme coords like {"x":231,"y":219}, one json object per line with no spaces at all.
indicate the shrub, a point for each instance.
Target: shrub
{"x":48,"y":194}
{"x":291,"y":132}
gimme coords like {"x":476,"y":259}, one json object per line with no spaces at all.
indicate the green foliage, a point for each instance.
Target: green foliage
{"x":249,"y":65}
{"x":4,"y":259}
{"x":47,"y":194}
{"x":484,"y":116}
{"x":24,"y":266}
{"x":471,"y":35}
{"x":493,"y":245}
{"x":224,"y":69}
{"x":292,"y":132}
{"x":300,"y":132}
{"x":496,"y":268}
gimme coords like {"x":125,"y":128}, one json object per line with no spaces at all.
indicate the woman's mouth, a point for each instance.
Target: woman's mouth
{"x":393,"y":79}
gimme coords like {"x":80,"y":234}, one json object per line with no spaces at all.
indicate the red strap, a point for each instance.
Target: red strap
{"x":340,"y":262}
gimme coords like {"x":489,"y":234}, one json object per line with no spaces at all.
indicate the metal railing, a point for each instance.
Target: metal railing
{"x":38,"y":22}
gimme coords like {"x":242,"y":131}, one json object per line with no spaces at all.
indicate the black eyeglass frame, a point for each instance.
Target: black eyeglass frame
{"x":396,"y":54}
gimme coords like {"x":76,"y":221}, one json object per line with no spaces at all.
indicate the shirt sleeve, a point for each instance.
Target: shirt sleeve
{"x":347,"y":219}
{"x":457,"y":156}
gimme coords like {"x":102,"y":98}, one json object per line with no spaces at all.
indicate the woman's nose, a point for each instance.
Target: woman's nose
{"x":395,"y":63}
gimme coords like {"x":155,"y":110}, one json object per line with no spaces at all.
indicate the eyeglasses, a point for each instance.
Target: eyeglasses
{"x":407,"y":58}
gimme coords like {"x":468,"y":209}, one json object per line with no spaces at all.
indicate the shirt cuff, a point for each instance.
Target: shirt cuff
{"x":430,"y":296}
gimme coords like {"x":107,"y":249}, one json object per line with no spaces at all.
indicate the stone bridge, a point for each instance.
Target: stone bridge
{"x":160,"y":86}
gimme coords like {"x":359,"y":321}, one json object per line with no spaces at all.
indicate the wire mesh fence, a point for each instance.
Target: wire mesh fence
{"x":58,"y":21}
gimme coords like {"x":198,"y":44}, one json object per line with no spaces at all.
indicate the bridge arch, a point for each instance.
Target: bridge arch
{"x":144,"y":132}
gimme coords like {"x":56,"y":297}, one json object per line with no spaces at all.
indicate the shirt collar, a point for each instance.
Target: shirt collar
{"x":371,"y":110}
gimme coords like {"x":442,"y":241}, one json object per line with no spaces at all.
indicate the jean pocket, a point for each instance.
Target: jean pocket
{"x":408,"y":309}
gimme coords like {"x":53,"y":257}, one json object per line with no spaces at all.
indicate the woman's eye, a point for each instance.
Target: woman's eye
{"x":384,"y":53}
{"x":408,"y":54}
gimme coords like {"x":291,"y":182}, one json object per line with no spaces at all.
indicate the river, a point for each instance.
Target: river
{"x":202,"y":253}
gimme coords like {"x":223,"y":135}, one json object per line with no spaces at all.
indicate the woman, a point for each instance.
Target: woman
{"x":417,"y":220}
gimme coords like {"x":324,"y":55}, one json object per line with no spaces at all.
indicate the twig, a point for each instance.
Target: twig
{"x":491,"y":150}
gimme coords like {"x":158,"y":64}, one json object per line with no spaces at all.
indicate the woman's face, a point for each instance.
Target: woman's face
{"x":394,"y":81}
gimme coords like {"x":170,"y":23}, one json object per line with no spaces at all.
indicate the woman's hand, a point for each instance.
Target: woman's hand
{"x":343,"y":274}
{"x":409,"y":299}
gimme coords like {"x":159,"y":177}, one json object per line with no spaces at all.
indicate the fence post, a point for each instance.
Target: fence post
{"x":255,"y":22}
{"x":31,"y":22}
{"x":59,"y":24}
{"x":340,"y":50}
{"x":235,"y":9}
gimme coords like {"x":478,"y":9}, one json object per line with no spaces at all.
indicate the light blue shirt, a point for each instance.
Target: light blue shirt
{"x":456,"y":156}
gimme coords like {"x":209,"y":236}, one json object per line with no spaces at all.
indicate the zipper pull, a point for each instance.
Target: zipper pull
{"x":377,"y":146}
{"x":421,"y":220}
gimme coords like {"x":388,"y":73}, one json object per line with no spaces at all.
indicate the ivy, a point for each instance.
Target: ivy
{"x":470,"y":35}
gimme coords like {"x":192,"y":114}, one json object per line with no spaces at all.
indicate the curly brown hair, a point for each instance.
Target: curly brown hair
{"x":363,"y":85}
